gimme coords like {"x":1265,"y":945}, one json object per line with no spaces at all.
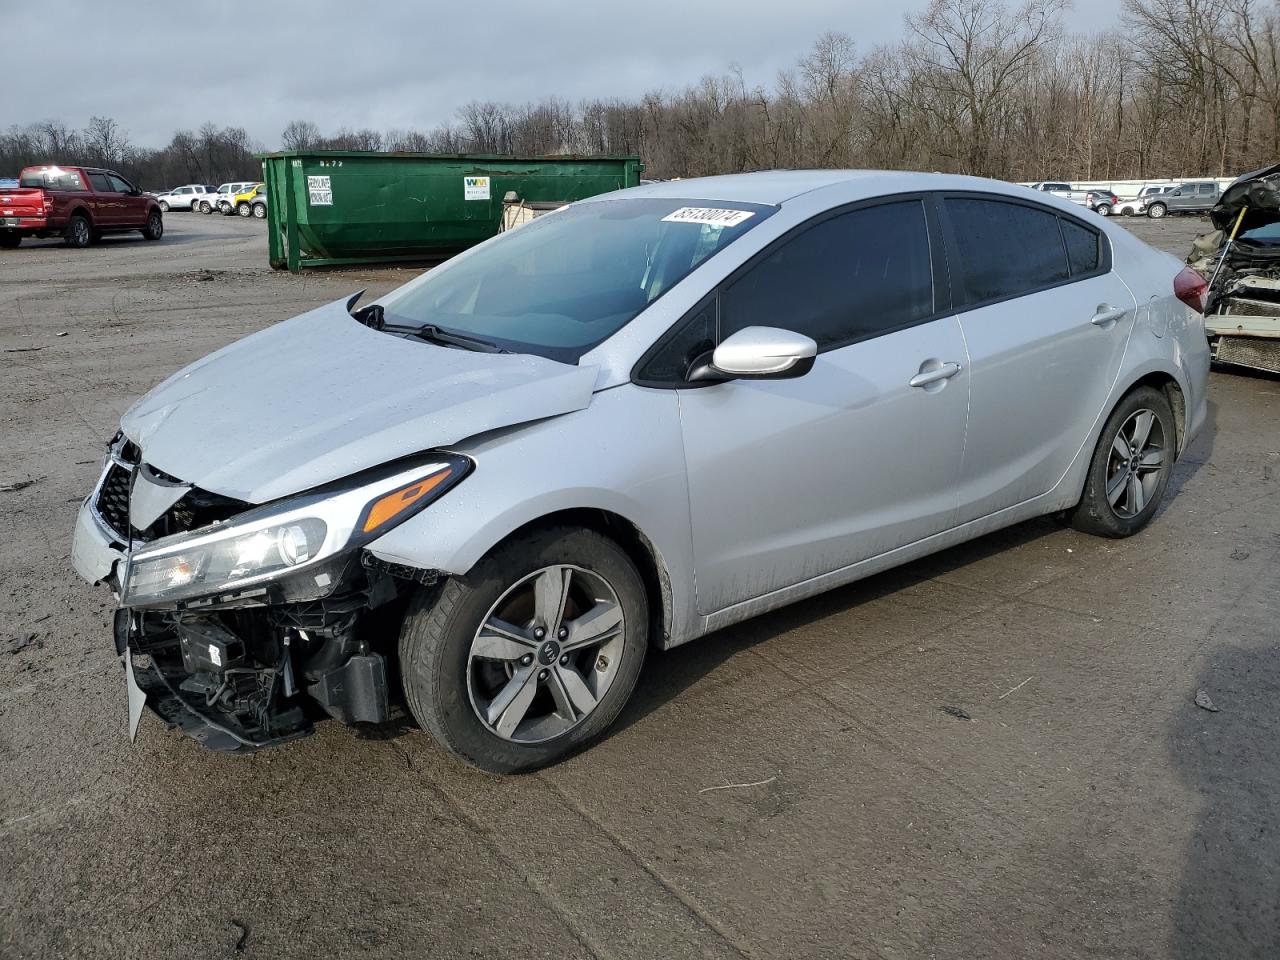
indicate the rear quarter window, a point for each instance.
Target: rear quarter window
{"x":1005,"y":249}
{"x":1084,"y":248}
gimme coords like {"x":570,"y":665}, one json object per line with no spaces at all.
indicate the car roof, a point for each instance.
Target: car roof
{"x":775,"y":187}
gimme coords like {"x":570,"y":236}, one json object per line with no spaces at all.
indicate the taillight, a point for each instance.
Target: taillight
{"x":48,"y":204}
{"x":1190,"y":288}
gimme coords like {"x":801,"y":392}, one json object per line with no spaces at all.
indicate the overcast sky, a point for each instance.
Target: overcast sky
{"x":156,"y":66}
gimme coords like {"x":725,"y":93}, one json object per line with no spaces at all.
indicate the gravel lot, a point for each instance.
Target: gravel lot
{"x":1088,"y":808}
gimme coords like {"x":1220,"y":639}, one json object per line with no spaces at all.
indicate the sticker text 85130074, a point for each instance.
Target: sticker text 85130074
{"x":708,"y":216}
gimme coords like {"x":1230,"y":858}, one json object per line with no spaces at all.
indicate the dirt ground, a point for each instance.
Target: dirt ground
{"x":1085,"y":808}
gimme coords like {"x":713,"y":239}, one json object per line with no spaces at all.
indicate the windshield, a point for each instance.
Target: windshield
{"x":568,"y":280}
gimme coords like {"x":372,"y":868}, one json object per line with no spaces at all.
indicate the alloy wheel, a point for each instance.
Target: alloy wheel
{"x":1138,"y":456}
{"x":545,"y":654}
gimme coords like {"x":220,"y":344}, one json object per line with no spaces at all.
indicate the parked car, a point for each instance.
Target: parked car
{"x":1138,"y":205}
{"x":221,"y":201}
{"x":79,"y":204}
{"x":630,"y":422}
{"x":1101,"y":201}
{"x":183,"y":198}
{"x":1196,"y":197}
{"x":251,"y":202}
{"x":1064,"y":190}
{"x":205,"y":199}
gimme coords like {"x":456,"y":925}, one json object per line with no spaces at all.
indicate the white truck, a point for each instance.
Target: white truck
{"x":1063,"y":190}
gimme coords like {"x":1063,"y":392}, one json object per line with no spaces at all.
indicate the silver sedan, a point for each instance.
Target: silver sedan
{"x":634,"y":420}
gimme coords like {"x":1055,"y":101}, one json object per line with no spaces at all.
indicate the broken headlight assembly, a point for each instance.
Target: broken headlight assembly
{"x":293,"y":536}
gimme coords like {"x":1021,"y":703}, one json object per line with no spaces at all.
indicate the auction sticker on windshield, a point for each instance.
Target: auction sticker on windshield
{"x":711,"y":216}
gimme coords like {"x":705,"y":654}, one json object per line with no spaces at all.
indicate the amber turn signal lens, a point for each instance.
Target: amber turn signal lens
{"x":397,"y":501}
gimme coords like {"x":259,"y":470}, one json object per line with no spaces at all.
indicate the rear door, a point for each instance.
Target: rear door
{"x":1046,"y":322}
{"x":792,"y":479}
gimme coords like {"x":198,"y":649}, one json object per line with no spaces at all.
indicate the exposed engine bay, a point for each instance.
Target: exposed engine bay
{"x":1241,"y":261}
{"x":254,"y":666}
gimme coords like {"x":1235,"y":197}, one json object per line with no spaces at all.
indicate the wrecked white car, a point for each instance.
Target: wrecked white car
{"x":481,"y":498}
{"x":1241,"y":259}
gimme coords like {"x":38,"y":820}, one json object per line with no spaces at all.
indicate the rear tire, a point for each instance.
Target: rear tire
{"x":154,"y":229}
{"x":9,"y":240}
{"x":1130,"y":468}
{"x":454,"y":680}
{"x":204,"y":206}
{"x":260,"y":211}
{"x":79,"y":232}
{"x":242,"y":209}
{"x":1104,"y":209}
{"x":1157,"y":210}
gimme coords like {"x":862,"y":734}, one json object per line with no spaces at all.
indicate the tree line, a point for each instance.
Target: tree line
{"x":985,"y":87}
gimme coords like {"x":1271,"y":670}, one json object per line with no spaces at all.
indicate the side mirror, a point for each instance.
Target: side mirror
{"x":758,"y":353}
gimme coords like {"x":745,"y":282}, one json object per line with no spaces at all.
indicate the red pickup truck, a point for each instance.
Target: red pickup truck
{"x":79,"y":204}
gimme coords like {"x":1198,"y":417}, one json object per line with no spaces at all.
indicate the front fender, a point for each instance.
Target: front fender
{"x":623,"y":454}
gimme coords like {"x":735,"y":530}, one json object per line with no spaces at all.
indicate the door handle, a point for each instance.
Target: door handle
{"x":1107,"y":314}
{"x":943,"y":372}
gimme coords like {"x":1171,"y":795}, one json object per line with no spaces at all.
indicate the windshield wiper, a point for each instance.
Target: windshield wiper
{"x":433,"y":334}
{"x":375,"y":317}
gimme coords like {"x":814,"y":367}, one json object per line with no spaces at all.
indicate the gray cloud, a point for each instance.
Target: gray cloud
{"x":405,"y":64}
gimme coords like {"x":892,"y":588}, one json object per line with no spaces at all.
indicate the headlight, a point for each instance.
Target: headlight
{"x":279,"y":539}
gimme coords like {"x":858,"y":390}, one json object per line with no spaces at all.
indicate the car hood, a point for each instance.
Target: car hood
{"x":321,"y":397}
{"x":1258,"y":193}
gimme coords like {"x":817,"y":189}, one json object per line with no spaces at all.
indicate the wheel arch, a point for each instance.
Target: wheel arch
{"x":638,"y":547}
{"x":1167,"y":384}
{"x":80,"y":210}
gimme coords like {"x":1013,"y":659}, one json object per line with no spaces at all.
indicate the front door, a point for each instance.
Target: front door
{"x":133,"y":205}
{"x":1046,"y":323}
{"x":792,"y":479}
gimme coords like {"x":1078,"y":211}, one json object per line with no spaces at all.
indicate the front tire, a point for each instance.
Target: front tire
{"x":154,"y":229}
{"x":164,"y":206}
{"x":1104,"y":209}
{"x":531,"y":655}
{"x":1157,"y":210}
{"x":1131,"y":466}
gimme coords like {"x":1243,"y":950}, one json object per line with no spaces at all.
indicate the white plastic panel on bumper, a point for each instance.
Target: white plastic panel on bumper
{"x":92,"y":553}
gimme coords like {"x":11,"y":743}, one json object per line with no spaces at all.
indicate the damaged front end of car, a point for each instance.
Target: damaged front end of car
{"x":243,"y":624}
{"x":1241,"y":261}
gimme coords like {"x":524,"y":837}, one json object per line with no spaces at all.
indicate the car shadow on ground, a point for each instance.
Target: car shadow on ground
{"x":669,"y":673}
{"x":1228,"y":904}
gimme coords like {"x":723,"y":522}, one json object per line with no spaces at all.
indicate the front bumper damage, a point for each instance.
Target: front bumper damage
{"x":253,"y":669}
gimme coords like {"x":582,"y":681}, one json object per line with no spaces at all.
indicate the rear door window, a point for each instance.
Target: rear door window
{"x":1005,"y":249}
{"x":847,"y":278}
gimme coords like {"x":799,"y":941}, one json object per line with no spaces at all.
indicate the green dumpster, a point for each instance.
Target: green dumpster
{"x":328,"y":207}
